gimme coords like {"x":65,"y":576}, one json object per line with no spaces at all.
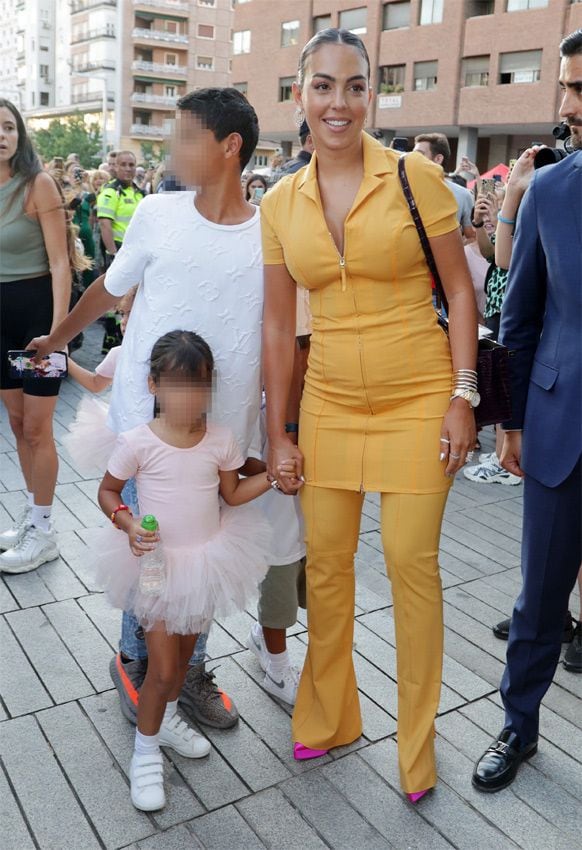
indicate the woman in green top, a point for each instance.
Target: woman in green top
{"x":35,"y":288}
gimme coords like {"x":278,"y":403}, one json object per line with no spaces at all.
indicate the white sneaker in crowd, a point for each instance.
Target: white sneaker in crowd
{"x":13,"y":536}
{"x":146,"y":776}
{"x":176,"y":733}
{"x":256,"y":644}
{"x":34,"y":548}
{"x":490,"y":472}
{"x":282,"y":684}
{"x":485,"y":456}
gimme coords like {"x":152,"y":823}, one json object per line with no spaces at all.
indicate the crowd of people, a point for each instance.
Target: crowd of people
{"x":279,"y":345}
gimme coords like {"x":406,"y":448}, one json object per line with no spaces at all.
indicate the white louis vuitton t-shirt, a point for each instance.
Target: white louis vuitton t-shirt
{"x":197,"y":276}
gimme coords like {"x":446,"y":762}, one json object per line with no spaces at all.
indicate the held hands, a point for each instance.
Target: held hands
{"x":285,"y":467}
{"x":458,"y":436}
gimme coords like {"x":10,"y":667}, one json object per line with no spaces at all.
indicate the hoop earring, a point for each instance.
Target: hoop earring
{"x":299,"y":117}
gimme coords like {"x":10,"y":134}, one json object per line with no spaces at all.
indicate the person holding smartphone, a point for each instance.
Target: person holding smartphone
{"x":255,"y":188}
{"x":35,"y":287}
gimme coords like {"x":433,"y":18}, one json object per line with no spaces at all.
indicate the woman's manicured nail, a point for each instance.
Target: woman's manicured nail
{"x":442,"y":456}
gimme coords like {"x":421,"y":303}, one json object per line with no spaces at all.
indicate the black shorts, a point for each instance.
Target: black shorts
{"x":26,"y":311}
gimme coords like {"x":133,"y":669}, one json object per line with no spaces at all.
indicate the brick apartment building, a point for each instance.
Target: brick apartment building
{"x":482,"y":71}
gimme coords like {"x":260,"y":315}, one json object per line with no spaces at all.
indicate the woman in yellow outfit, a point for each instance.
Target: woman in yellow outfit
{"x":376,"y":413}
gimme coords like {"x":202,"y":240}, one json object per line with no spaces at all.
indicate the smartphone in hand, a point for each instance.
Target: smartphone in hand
{"x":52,"y":365}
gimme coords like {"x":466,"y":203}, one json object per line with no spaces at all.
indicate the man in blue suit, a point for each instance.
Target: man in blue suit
{"x":541,"y":324}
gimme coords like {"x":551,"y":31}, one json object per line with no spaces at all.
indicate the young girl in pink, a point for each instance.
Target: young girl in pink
{"x":215,"y":553}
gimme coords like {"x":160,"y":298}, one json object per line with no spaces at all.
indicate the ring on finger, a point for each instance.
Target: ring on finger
{"x":455,"y":457}
{"x":139,"y":538}
{"x":444,"y":440}
{"x":275,"y":484}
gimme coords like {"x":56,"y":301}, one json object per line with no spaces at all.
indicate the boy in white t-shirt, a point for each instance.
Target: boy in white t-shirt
{"x":198,"y":260}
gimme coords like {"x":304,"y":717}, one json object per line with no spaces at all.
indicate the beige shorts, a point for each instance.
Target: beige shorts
{"x":282,"y":591}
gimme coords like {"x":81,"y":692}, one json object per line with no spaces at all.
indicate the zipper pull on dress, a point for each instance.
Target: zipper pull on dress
{"x":342,"y":262}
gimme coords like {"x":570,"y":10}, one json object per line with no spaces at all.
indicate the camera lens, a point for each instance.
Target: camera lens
{"x":549,"y":156}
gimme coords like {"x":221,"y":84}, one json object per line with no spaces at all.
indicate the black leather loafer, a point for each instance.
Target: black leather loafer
{"x":498,"y":766}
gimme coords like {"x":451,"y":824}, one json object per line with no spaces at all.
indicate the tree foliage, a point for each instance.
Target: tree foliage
{"x":70,"y":135}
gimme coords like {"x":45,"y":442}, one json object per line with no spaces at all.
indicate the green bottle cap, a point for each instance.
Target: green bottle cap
{"x":149,"y":522}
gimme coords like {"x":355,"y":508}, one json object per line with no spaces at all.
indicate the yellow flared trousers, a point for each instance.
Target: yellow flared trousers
{"x":327,"y":711}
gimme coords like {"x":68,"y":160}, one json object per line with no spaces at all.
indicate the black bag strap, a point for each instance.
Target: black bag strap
{"x":441,"y":298}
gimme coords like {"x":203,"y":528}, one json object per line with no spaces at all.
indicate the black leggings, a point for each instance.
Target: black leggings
{"x":26,"y":311}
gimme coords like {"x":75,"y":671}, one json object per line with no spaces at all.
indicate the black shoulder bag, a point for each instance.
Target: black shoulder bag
{"x":492,"y":358}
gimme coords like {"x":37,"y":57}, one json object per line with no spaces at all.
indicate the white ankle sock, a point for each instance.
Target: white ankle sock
{"x":41,"y":516}
{"x":170,"y":710}
{"x":146,"y":745}
{"x":30,"y":498}
{"x":278,"y":661}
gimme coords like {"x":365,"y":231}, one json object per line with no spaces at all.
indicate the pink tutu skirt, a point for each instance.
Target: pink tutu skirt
{"x":90,"y":442}
{"x":213,"y":579}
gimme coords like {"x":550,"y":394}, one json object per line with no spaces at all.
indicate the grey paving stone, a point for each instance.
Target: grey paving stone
{"x":330,"y":814}
{"x":105,"y":618}
{"x":84,"y":509}
{"x":235,"y":745}
{"x":62,"y":677}
{"x":7,"y":600}
{"x":21,"y":689}
{"x":212,"y":779}
{"x":49,"y":804}
{"x":91,"y":652}
{"x":220,"y":643}
{"x":11,"y":474}
{"x":61,"y":581}
{"x":78,"y":556}
{"x":28,"y":588}
{"x":15,"y":834}
{"x":118,"y":735}
{"x":381,"y":805}
{"x":225,"y":829}
{"x":176,"y":838}
{"x":279,"y":824}
{"x":97,"y":781}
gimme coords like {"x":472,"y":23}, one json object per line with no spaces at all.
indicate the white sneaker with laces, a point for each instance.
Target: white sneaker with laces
{"x":36,"y":547}
{"x":256,"y":644}
{"x":12,"y":537}
{"x":491,"y":472}
{"x":282,"y":684}
{"x":146,"y":776}
{"x":485,"y":456}
{"x":176,"y":733}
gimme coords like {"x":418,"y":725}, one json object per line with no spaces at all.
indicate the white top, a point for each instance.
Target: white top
{"x":197,"y":276}
{"x":108,"y":365}
{"x":465,"y":202}
{"x":282,"y":512}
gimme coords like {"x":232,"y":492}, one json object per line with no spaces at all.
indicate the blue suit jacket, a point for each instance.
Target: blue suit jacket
{"x":541,"y":322}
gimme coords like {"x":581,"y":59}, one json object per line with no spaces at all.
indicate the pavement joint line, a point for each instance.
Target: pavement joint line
{"x":19,"y":805}
{"x":15,"y":636}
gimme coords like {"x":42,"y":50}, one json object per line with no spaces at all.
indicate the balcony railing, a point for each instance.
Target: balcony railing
{"x":159,"y":68}
{"x":90,"y":97}
{"x":90,"y":35}
{"x":83,"y":5}
{"x":162,"y":99}
{"x":101,"y":65}
{"x":164,"y":4}
{"x":160,"y":35}
{"x":146,"y":130}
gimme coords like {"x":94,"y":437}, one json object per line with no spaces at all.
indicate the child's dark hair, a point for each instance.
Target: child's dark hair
{"x":184,"y":352}
{"x":225,"y":111}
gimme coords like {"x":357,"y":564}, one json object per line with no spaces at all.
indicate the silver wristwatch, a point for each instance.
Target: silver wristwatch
{"x":470,"y":396}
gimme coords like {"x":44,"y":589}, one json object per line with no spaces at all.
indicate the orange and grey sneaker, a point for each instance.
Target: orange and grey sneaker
{"x":204,"y":702}
{"x":128,"y":678}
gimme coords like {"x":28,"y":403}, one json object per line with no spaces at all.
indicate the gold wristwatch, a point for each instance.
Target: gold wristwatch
{"x":472,"y":397}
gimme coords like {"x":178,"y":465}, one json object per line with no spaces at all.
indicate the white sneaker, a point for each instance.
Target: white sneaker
{"x":485,"y":456}
{"x":282,"y":685}
{"x":146,"y":776}
{"x":11,"y":538}
{"x":175,"y":733}
{"x":256,"y":644}
{"x":36,"y":547}
{"x":490,"y":472}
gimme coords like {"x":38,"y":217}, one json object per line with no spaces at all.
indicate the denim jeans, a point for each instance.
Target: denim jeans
{"x":132,"y":643}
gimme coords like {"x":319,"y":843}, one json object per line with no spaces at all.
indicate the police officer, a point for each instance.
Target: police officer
{"x":117,"y":203}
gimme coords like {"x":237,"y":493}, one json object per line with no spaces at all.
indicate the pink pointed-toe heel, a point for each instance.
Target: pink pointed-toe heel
{"x":301,"y":752}
{"x":418,"y":795}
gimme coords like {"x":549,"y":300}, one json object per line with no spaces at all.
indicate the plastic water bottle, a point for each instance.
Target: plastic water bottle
{"x":152,"y":576}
